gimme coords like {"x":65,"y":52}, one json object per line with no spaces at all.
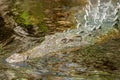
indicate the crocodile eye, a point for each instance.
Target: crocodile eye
{"x":70,"y":40}
{"x":64,"y":40}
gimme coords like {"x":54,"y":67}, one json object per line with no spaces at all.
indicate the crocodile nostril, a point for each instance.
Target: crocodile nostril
{"x":70,"y":40}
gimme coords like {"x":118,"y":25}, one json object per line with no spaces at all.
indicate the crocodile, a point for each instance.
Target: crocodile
{"x":100,"y":22}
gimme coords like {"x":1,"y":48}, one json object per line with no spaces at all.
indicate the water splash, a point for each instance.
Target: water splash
{"x":104,"y":14}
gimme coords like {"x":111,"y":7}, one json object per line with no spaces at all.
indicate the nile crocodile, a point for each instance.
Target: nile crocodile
{"x":100,"y":22}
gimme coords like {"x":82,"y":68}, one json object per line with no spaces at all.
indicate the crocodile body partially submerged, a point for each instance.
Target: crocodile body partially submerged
{"x":101,"y":22}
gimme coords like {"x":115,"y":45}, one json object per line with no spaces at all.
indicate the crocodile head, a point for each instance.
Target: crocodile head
{"x":58,"y":42}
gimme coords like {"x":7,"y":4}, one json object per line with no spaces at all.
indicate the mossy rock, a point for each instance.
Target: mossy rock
{"x":29,"y":13}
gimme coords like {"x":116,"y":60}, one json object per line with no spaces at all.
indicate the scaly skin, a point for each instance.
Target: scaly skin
{"x":59,"y":42}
